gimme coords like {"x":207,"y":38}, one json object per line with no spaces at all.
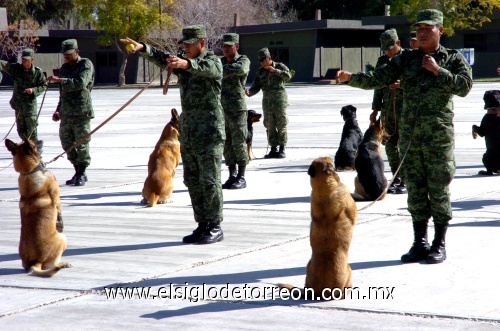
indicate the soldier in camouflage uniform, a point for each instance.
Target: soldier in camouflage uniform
{"x":271,"y":78}
{"x":413,"y":40}
{"x":76,"y":78}
{"x":29,"y":83}
{"x":235,"y":71}
{"x":389,"y":101}
{"x":430,"y":76}
{"x":201,"y":126}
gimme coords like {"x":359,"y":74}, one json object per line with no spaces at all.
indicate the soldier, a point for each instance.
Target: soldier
{"x":430,"y":76}
{"x":389,"y":101}
{"x":413,"y":40}
{"x":29,"y":82}
{"x":235,"y":71}
{"x":75,"y":108}
{"x":271,"y":78}
{"x":201,"y":126}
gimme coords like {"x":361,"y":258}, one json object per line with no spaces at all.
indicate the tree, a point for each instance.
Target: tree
{"x":458,"y":14}
{"x":124,"y":18}
{"x":40,"y":11}
{"x":18,"y":37}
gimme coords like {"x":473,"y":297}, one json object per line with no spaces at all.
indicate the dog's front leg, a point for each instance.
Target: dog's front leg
{"x":59,"y":223}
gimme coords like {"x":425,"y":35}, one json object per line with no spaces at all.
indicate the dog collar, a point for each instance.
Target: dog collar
{"x":493,"y":111}
{"x":39,"y":167}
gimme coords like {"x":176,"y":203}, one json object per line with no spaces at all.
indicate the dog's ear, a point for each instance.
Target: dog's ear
{"x":11,"y":146}
{"x":312,"y":170}
{"x":353,"y":109}
{"x":175,"y":115}
{"x":29,"y":147}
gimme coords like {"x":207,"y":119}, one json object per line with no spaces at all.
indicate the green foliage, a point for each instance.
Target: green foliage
{"x":458,"y":14}
{"x":124,"y":18}
{"x":39,"y":10}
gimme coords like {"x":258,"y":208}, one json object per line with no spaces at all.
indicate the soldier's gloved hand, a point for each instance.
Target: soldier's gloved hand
{"x":56,"y":116}
{"x":474,"y":131}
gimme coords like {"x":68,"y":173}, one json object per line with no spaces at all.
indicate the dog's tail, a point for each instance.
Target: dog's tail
{"x":36,"y":269}
{"x":153,"y":199}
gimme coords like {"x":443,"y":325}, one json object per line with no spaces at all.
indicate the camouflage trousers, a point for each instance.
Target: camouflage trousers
{"x":428,"y":173}
{"x":391,"y":145}
{"x":26,"y":121}
{"x":235,"y":151}
{"x":202,"y":177}
{"x":70,"y":131}
{"x":275,"y":121}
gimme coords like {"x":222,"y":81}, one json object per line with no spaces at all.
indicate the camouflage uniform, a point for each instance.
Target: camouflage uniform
{"x":201,"y":130}
{"x":383,"y":100}
{"x":75,"y":107}
{"x":426,"y":121}
{"x":235,"y":109}
{"x":274,"y":101}
{"x":25,"y":105}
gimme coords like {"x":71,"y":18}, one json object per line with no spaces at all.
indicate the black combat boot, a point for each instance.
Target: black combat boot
{"x":240,"y":179}
{"x":272,"y":154}
{"x":420,"y":248}
{"x":213,"y":233}
{"x":392,"y":188}
{"x":72,"y":180}
{"x":231,"y":179}
{"x":81,"y":176}
{"x":196,"y":235}
{"x":39,"y":146}
{"x":438,"y":250}
{"x":400,"y":188}
{"x":281,"y":153}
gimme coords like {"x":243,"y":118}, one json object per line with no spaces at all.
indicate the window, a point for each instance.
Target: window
{"x":107,"y":59}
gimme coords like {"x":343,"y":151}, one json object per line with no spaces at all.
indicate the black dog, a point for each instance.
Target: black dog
{"x":490,"y":129}
{"x":350,"y":140}
{"x":252,"y":117}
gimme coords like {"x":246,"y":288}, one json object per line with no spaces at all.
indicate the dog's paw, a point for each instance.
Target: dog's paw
{"x":65,"y":265}
{"x":144,"y":201}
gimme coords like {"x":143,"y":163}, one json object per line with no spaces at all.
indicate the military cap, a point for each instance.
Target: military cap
{"x":263,"y":54}
{"x":388,"y":39}
{"x":491,"y":99}
{"x":230,"y":38}
{"x":28,"y":53}
{"x":192,"y":33}
{"x":413,"y":35}
{"x":69,"y":46}
{"x":429,"y":16}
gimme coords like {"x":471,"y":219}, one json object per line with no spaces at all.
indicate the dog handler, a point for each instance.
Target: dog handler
{"x":271,"y":78}
{"x":201,"y":126}
{"x":75,"y":108}
{"x":29,"y":83}
{"x":389,"y":101}
{"x":430,"y":76}
{"x":235,"y":72}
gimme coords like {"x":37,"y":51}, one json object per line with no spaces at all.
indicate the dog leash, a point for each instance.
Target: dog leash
{"x":81,"y":140}
{"x":41,"y":105}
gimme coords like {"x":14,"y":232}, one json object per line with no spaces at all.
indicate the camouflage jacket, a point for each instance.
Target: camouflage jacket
{"x":271,"y":83}
{"x":427,"y":115}
{"x":234,"y":77}
{"x":202,"y":118}
{"x":382,"y":97}
{"x":23,"y":79}
{"x":77,"y":82}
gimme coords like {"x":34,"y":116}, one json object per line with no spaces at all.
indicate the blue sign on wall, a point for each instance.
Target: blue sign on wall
{"x":468,"y":53}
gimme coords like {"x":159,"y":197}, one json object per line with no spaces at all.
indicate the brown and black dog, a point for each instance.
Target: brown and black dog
{"x":42,"y":243}
{"x":163,"y":162}
{"x":252,"y":117}
{"x":370,"y":183}
{"x":333,"y":215}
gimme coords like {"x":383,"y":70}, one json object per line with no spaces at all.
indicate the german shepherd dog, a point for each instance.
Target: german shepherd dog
{"x":252,"y":117}
{"x":349,"y":141}
{"x":42,"y":242}
{"x":163,"y":162}
{"x":370,"y":183}
{"x":333,"y":215}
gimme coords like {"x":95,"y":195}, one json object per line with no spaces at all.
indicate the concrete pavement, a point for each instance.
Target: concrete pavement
{"x":116,"y":243}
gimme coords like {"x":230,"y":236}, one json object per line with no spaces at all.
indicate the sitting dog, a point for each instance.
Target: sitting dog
{"x":351,"y":138}
{"x":162,"y":164}
{"x":490,"y":130}
{"x":370,"y":183}
{"x":42,"y":242}
{"x":333,"y":215}
{"x":252,"y":117}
